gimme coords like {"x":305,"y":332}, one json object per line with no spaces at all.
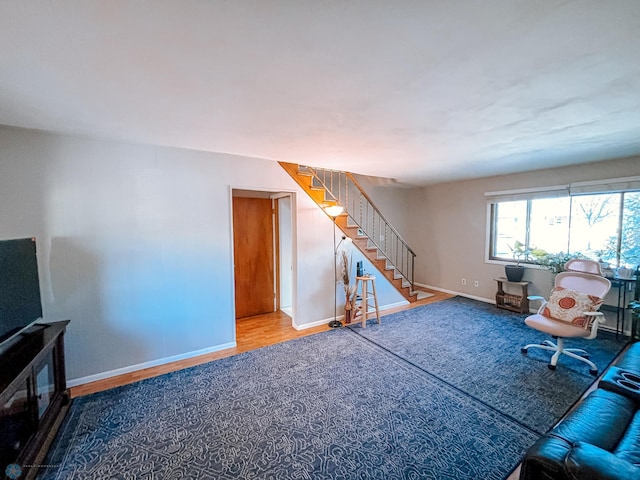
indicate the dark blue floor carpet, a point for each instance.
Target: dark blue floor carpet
{"x":331,"y":406}
{"x":475,"y":347}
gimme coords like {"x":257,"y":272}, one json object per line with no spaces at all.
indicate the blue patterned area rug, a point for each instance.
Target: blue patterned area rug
{"x":475,"y":347}
{"x":329,"y":406}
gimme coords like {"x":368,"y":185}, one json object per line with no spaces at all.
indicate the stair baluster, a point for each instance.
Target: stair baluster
{"x":343,"y":189}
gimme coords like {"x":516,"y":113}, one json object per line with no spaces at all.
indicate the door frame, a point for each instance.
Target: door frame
{"x":274,"y":195}
{"x":290,"y":238}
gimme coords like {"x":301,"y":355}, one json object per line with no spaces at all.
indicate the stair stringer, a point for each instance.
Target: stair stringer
{"x":352,"y":230}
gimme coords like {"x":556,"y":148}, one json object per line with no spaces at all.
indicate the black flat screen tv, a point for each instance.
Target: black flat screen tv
{"x":20,"y":302}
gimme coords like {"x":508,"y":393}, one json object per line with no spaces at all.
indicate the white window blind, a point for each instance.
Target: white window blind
{"x":611,"y":185}
{"x":527,"y":194}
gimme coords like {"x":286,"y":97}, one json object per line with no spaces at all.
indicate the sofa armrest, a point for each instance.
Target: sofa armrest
{"x":554,"y":458}
{"x":630,"y":359}
{"x":545,"y":459}
{"x":600,"y":421}
{"x":588,"y":461}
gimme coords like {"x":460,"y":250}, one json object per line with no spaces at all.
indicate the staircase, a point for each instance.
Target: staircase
{"x":361,"y":221}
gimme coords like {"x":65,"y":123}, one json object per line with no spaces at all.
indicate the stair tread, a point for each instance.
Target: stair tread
{"x":305,"y":176}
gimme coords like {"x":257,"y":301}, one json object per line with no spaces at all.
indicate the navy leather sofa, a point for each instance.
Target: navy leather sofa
{"x":600,"y":438}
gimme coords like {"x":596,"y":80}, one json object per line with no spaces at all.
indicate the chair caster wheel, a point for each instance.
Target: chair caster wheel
{"x":524,"y":350}
{"x":551,"y":367}
{"x":593,"y":372}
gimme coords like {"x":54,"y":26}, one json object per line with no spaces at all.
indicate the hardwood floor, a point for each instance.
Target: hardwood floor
{"x":251,"y":333}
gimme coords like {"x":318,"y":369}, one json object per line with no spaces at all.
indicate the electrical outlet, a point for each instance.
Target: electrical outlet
{"x":463,"y":281}
{"x":476,"y":283}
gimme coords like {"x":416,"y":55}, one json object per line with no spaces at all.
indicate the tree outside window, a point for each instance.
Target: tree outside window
{"x":593,"y":220}
{"x":630,"y":239}
{"x":603,"y":227}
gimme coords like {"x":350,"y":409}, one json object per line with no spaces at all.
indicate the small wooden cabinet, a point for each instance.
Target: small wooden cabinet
{"x":515,"y":298}
{"x":33,"y":394}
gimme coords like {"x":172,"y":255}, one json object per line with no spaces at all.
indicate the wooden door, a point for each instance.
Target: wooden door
{"x":253,"y":256}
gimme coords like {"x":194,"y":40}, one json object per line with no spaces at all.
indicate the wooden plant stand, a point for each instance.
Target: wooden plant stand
{"x":512,"y":301}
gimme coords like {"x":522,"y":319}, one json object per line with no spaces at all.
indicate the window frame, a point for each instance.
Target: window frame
{"x":609,"y":186}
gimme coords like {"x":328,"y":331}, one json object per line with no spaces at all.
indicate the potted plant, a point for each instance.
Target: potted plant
{"x":554,"y":261}
{"x":515,"y":272}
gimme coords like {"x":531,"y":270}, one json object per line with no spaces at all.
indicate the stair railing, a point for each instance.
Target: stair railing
{"x":343,"y":189}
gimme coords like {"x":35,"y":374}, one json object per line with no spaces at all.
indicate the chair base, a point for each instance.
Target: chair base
{"x":558,"y":350}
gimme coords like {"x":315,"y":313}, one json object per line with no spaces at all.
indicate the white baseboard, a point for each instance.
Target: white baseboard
{"x":453,"y":292}
{"x":341,"y":317}
{"x":317,"y":323}
{"x":141,"y":366}
{"x":394,"y":305}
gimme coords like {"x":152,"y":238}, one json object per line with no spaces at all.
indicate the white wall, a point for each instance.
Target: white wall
{"x":449,"y":228}
{"x":135,"y":245}
{"x":394,"y":202}
{"x":135,"y":241}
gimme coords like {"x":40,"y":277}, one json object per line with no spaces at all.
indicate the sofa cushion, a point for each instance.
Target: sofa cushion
{"x":569,"y":306}
{"x":600,"y":419}
{"x":629,"y":447}
{"x":590,"y":462}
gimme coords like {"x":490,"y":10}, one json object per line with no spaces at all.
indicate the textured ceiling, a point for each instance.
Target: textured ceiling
{"x":416,"y":91}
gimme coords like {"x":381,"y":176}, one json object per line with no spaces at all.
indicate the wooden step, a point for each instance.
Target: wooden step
{"x":305,"y":180}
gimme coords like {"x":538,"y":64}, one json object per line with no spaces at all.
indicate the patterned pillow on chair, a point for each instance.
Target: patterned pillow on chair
{"x":569,"y":306}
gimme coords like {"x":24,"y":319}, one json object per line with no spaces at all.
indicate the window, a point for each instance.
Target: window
{"x":549,"y":224}
{"x":630,"y":235}
{"x":594,"y":226}
{"x":602,"y":226}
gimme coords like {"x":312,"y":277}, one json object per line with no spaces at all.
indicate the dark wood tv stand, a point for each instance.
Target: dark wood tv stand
{"x":33,"y":395}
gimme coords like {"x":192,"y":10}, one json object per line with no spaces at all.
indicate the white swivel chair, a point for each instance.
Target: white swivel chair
{"x":571,"y":310}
